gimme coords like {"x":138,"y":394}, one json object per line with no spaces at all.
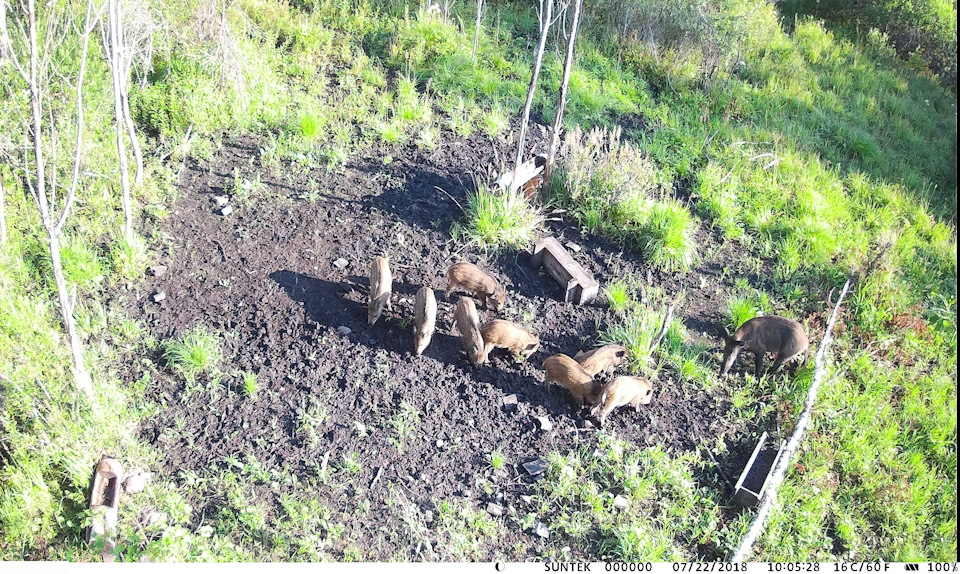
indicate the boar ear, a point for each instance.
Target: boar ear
{"x":726,"y":334}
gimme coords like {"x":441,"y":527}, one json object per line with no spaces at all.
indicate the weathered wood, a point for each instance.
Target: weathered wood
{"x":580,"y":286}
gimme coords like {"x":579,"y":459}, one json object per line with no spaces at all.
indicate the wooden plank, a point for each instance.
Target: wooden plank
{"x":580,"y":286}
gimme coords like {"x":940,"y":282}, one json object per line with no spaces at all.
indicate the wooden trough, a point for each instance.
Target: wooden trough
{"x":753,"y":480}
{"x":580,"y":286}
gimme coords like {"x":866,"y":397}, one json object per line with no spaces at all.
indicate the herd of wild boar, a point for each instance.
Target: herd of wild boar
{"x":760,"y":335}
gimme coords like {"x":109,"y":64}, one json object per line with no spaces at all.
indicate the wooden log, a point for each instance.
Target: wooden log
{"x":579,"y":284}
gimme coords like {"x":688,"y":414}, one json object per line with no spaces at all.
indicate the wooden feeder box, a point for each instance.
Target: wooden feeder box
{"x":753,"y":480}
{"x":580,"y":286}
{"x":105,"y":489}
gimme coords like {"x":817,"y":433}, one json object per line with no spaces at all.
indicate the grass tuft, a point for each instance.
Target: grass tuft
{"x":500,"y":220}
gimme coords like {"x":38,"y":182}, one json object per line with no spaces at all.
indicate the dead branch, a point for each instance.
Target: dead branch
{"x":663,"y":328}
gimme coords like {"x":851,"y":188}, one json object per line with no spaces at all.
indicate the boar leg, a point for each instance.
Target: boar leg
{"x":759,"y":368}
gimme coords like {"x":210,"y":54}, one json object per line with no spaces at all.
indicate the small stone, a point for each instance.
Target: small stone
{"x":400,"y":239}
{"x":340,"y":263}
{"x":150,"y":516}
{"x":585,"y":424}
{"x":544,"y":423}
{"x":428,"y":516}
{"x":226,"y":210}
{"x":510,"y":402}
{"x":157,"y":270}
{"x":136,"y":482}
{"x":344,"y":330}
{"x":541,"y":530}
{"x":440,"y":443}
{"x":158,"y":296}
{"x":494,"y":509}
{"x":220,"y":200}
{"x":621,"y":502}
{"x":535,"y":466}
{"x":526,"y":499}
{"x":573,"y":247}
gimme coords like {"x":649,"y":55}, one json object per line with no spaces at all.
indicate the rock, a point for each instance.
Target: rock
{"x":220,"y":200}
{"x":344,"y":330}
{"x":494,"y":509}
{"x":150,"y":516}
{"x":544,"y":423}
{"x":526,"y":499}
{"x":510,"y":402}
{"x":585,"y":424}
{"x":621,"y":502}
{"x":541,"y":530}
{"x":158,"y":296}
{"x":428,"y":516}
{"x":226,"y":210}
{"x":535,"y":466}
{"x":340,"y":263}
{"x":440,"y":443}
{"x":157,"y":270}
{"x":136,"y":482}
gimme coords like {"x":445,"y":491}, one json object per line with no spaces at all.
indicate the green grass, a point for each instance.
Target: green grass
{"x":500,"y":219}
{"x":804,"y":149}
{"x":197,"y":352}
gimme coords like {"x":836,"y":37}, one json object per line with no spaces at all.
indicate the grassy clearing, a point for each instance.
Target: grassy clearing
{"x":803,"y":149}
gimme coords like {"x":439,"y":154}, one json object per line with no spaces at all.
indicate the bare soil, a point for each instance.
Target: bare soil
{"x":264,"y":277}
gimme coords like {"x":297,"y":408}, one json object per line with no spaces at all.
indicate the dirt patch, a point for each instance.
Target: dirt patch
{"x":265,"y":277}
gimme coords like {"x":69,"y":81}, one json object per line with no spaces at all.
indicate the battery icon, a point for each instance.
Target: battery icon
{"x":911,"y":567}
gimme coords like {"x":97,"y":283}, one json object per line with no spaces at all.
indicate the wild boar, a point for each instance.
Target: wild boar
{"x":568,"y":373}
{"x":425,"y":314}
{"x":507,"y":335}
{"x":761,"y":335}
{"x":605,"y":359}
{"x":468,"y":323}
{"x":469,"y":277}
{"x":381,"y":287}
{"x":622,"y":391}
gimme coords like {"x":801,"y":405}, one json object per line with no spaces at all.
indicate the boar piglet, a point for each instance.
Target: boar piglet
{"x":468,"y":277}
{"x":425,"y":315}
{"x":622,"y":391}
{"x":468,"y":323}
{"x":381,"y":287}
{"x":568,"y":373}
{"x":761,"y":335}
{"x":605,"y":359}
{"x":507,"y":335}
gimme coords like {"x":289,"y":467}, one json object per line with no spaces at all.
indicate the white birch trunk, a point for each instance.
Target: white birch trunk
{"x":562,"y":100}
{"x":546,"y":13}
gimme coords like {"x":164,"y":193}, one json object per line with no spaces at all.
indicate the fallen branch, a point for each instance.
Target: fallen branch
{"x":780,"y":472}
{"x":663,"y":328}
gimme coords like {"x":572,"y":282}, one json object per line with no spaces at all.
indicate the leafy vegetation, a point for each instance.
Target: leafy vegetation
{"x":803,"y":148}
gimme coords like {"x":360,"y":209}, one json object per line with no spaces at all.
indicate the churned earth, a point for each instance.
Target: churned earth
{"x":284,"y":280}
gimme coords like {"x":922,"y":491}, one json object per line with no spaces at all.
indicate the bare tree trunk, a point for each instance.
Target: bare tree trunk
{"x":546,"y":13}
{"x":132,"y":132}
{"x":116,"y":66}
{"x":39,"y":190}
{"x":562,"y":103}
{"x":476,"y":33}
{"x":3,"y":211}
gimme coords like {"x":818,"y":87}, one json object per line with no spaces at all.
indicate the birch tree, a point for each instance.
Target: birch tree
{"x":35,"y":73}
{"x":545,"y":13}
{"x":562,"y":99}
{"x":120,"y":53}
